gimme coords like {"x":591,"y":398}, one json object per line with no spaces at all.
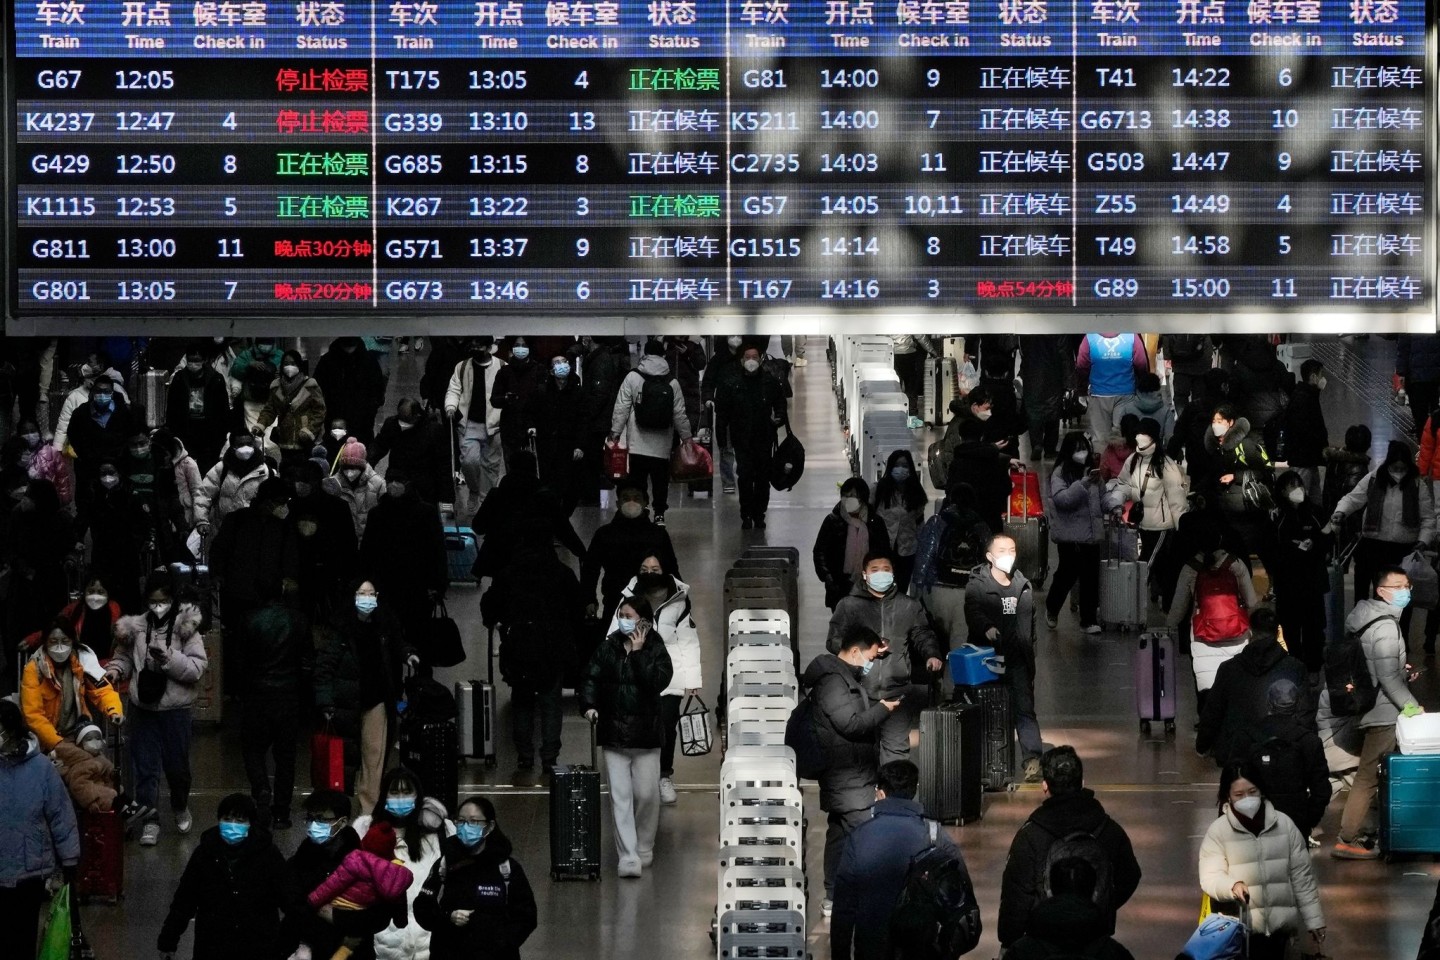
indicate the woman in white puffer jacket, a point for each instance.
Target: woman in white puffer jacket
{"x":1255,"y":854}
{"x":419,"y":821}
{"x":670,"y":599}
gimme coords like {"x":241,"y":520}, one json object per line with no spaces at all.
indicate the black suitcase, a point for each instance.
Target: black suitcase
{"x":431,"y":749}
{"x":997,"y":732}
{"x":575,"y":820}
{"x":949,"y":757}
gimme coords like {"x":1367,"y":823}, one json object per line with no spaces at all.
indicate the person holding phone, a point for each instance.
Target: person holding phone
{"x":1077,"y":529}
{"x":621,"y":696}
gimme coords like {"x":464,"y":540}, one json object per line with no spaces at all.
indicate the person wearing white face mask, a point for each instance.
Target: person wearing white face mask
{"x":357,"y":483}
{"x":1154,"y":486}
{"x":59,"y":695}
{"x":353,"y":383}
{"x":296,"y":406}
{"x":413,"y":438}
{"x":1000,"y":613}
{"x":752,"y":406}
{"x":231,"y":483}
{"x":198,"y":408}
{"x":1237,"y":477}
{"x":620,"y":546}
{"x":1301,"y":582}
{"x":848,"y":534}
{"x":1255,"y":862}
{"x":161,"y":653}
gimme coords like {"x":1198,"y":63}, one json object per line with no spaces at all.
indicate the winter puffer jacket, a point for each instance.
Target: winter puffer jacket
{"x":50,"y":464}
{"x":1385,"y":655}
{"x":1275,"y":866}
{"x":1239,"y":699}
{"x":89,"y":778}
{"x":624,"y":687}
{"x":38,"y":833}
{"x":1163,"y":496}
{"x":412,"y":941}
{"x":644,"y":441}
{"x":895,"y":617}
{"x":223,"y":491}
{"x":1238,"y":453}
{"x":1390,"y":526}
{"x":490,"y":883}
{"x":337,"y":663}
{"x":847,"y":723}
{"x":462,"y":388}
{"x":676,"y":624}
{"x":187,"y":483}
{"x":1075,"y":515}
{"x":365,"y":879}
{"x":360,"y":496}
{"x":1207,"y":657}
{"x":187,"y":664}
{"x":1152,"y":405}
{"x":40,"y":696}
{"x":902,"y":523}
{"x":233,"y":893}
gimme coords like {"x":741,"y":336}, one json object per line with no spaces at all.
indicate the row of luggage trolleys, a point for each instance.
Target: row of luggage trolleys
{"x":872,"y":404}
{"x":761,"y":895}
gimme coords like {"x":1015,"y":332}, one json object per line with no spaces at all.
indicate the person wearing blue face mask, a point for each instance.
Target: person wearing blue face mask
{"x":477,"y":902}
{"x":418,"y":442}
{"x":231,"y":888}
{"x":98,"y":432}
{"x":515,"y":387}
{"x":877,"y":604}
{"x":900,"y":501}
{"x":329,"y":839}
{"x":847,"y":725}
{"x":555,"y":421}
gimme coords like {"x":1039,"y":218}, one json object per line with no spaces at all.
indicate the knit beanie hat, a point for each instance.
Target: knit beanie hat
{"x":379,"y":840}
{"x":352,"y":453}
{"x":91,"y":732}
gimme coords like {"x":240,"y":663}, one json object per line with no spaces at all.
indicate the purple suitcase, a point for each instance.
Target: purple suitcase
{"x":1155,"y":690}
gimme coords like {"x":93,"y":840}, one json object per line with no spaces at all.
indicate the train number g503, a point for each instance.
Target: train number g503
{"x":1116,"y":161}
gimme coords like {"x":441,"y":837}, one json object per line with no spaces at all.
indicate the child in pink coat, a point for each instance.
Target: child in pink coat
{"x":368,"y":878}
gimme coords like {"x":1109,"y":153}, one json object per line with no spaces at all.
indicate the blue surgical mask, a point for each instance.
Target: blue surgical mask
{"x":471,"y":834}
{"x":365,"y":603}
{"x":881,"y":581}
{"x":867,"y":667}
{"x":1400,"y":598}
{"x":900,"y":474}
{"x":233,"y":833}
{"x":561,"y":370}
{"x":520,"y":353}
{"x":626,"y":626}
{"x":319,"y":832}
{"x":104,"y":402}
{"x":400,"y":806}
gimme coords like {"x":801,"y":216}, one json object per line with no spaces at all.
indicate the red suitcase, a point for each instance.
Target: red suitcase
{"x":327,"y":761}
{"x":1025,"y":501}
{"x":100,"y":875}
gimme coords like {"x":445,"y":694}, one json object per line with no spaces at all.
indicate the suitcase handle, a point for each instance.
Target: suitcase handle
{"x":594,"y":755}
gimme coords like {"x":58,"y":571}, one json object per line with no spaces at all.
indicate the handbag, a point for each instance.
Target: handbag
{"x":1136,"y":511}
{"x":150,"y":684}
{"x":788,"y":462}
{"x":691,"y":463}
{"x":1424,"y":582}
{"x":55,"y":942}
{"x":695,"y":737}
{"x":1257,"y":495}
{"x":327,"y":760}
{"x":616,"y":461}
{"x":442,"y":646}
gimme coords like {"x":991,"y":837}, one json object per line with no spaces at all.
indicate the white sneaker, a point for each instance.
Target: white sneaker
{"x":183,"y":820}
{"x":419,"y":344}
{"x":628,"y":868}
{"x":801,"y":361}
{"x":827,"y":907}
{"x":667,"y":790}
{"x":150,"y":835}
{"x":1093,"y":629}
{"x":647,"y":858}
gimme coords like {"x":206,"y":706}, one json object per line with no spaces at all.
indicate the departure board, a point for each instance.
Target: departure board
{"x":264,"y":158}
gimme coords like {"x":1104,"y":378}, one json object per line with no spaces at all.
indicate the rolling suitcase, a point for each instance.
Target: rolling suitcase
{"x":1410,"y":804}
{"x":942,"y":385}
{"x":475,"y":712}
{"x":100,"y":874}
{"x":949,"y":760}
{"x":1335,"y":599}
{"x":461,"y":550}
{"x":1155,"y":690}
{"x":152,"y":392}
{"x":209,"y":705}
{"x":997,"y":732}
{"x":1032,"y":547}
{"x":431,"y":748}
{"x":575,"y":820}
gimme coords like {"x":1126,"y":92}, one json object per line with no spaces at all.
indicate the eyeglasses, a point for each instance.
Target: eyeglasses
{"x":473,"y":821}
{"x":316,"y":818}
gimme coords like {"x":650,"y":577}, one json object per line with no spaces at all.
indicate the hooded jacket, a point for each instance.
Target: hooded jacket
{"x":984,"y":608}
{"x":1390,"y":525}
{"x":50,"y":464}
{"x":872,"y":871}
{"x":1207,"y":657}
{"x":644,"y":441}
{"x":1236,"y":453}
{"x":676,"y":624}
{"x":1074,"y":514}
{"x":1304,"y":801}
{"x":1153,"y":405}
{"x":411,"y":941}
{"x":490,"y":883}
{"x":1023,"y":883}
{"x":1275,"y":866}
{"x":618,"y":548}
{"x":223,"y":491}
{"x":1385,"y":656}
{"x":1163,"y":496}
{"x":135,"y":635}
{"x":364,"y":879}
{"x":847,"y":723}
{"x":1066,"y":926}
{"x":90,"y":778}
{"x":828,"y":553}
{"x":233,"y":893}
{"x":624,"y":687}
{"x":353,"y":385}
{"x":1239,"y":699}
{"x":462,"y":390}
{"x":186,"y":471}
{"x":895,"y":617}
{"x":38,"y":832}
{"x":40,"y":696}
{"x":298,"y":420}
{"x":360,"y":496}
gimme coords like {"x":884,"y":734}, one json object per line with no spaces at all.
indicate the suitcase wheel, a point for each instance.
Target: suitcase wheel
{"x":1145,"y":727}
{"x":1170,"y":728}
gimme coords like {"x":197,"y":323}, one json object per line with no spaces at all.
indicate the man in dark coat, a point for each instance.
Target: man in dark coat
{"x":325,"y":536}
{"x":876,"y":862}
{"x":1068,"y":809}
{"x":1047,"y":363}
{"x":417,"y":442}
{"x":1239,"y":699}
{"x":985,"y":466}
{"x":519,"y":507}
{"x":724,"y":365}
{"x":1417,"y":361}
{"x":353,"y":385}
{"x":752,"y":404}
{"x":403,"y":553}
{"x":908,"y":640}
{"x":1287,"y":757}
{"x":687,"y":361}
{"x":515,"y":386}
{"x":1068,"y":920}
{"x":847,"y":724}
{"x":278,"y":649}
{"x":1000,"y":613}
{"x":555,"y":417}
{"x":100,"y":430}
{"x":619,"y":546}
{"x":256,"y":554}
{"x":601,"y":373}
{"x":1305,"y":435}
{"x":197,"y":408}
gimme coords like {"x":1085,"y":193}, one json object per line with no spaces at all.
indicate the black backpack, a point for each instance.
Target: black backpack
{"x":958,"y":553}
{"x":655,"y":410}
{"x":1085,"y":845}
{"x":529,"y":658}
{"x":1280,"y":768}
{"x":1184,"y":346}
{"x":802,"y":736}
{"x":1347,"y":673}
{"x":936,"y":917}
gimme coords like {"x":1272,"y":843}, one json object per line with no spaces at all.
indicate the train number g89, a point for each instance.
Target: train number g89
{"x":1117,"y":288}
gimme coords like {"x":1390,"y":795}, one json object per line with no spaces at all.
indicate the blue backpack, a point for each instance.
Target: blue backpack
{"x":1218,"y":938}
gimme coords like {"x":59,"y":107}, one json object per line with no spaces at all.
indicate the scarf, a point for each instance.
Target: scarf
{"x":289,"y":388}
{"x":1254,"y":825}
{"x":857,"y":542}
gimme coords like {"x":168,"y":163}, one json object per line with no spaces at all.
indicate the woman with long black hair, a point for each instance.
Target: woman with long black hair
{"x":900,"y":501}
{"x":1076,"y":528}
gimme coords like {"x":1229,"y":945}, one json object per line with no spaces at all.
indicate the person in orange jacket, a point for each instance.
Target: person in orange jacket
{"x":63,"y":688}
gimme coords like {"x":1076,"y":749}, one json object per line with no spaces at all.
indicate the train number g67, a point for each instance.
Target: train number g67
{"x":1117,"y":288}
{"x":421,"y":163}
{"x":58,"y":79}
{"x":414,"y":122}
{"x":1116,"y":161}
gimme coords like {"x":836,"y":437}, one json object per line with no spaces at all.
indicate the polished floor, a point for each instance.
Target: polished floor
{"x":1157,"y":788}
